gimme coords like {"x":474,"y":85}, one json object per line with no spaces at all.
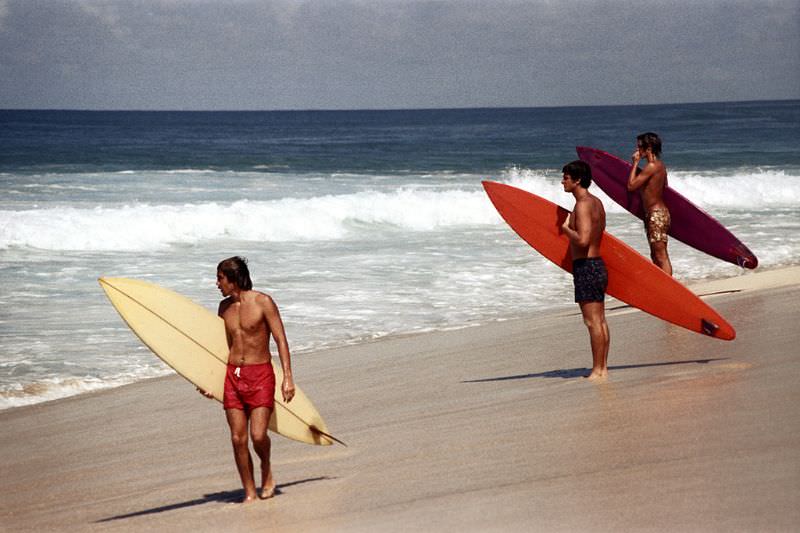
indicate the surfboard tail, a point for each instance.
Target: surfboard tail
{"x":318,"y":431}
{"x":744,"y":257}
{"x":713,"y":329}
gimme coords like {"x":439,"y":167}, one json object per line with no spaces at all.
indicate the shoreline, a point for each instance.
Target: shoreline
{"x":484,"y":428}
{"x":745,"y":281}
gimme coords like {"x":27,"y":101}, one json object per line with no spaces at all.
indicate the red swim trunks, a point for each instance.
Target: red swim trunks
{"x":248,"y":387}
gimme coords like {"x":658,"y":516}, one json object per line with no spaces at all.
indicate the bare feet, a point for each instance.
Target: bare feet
{"x":597,"y":375}
{"x":249,"y":499}
{"x":267,"y":485}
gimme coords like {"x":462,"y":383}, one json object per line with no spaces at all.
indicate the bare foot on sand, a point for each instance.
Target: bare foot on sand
{"x":249,"y":499}
{"x":267,"y":485}
{"x":597,"y":375}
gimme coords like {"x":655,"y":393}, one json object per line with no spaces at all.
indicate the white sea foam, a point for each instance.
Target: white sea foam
{"x":761,"y":189}
{"x":389,"y":256}
{"x":190,"y":171}
{"x":53,"y":388}
{"x":747,"y":189}
{"x":138,"y":227}
{"x":148,"y":227}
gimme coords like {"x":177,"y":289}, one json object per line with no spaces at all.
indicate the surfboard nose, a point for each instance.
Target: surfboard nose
{"x":588,"y":154}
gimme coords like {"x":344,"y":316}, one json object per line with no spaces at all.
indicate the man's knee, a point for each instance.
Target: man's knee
{"x":594,"y":323}
{"x":239,"y":439}
{"x":260,"y":439}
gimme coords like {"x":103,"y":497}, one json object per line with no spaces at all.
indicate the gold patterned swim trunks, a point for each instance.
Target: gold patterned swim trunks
{"x":656,"y":224}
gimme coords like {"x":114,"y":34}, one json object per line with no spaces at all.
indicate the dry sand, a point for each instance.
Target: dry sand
{"x":489,"y":428}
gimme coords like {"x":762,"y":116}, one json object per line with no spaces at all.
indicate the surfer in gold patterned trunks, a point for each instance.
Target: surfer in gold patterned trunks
{"x":584,"y":229}
{"x":650,"y":181}
{"x":250,"y":318}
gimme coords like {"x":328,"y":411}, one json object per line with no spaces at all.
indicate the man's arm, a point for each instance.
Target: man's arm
{"x":581,"y":235}
{"x":275,"y":323}
{"x":638,"y":177}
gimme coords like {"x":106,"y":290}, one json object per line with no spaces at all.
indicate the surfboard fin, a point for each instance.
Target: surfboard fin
{"x":709,"y":328}
{"x":744,"y":257}
{"x":315,"y":429}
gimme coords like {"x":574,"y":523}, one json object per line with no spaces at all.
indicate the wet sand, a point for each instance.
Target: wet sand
{"x":487,"y":428}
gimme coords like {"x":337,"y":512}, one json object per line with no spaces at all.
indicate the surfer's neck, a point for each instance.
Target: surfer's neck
{"x":236,"y":295}
{"x":580,"y":193}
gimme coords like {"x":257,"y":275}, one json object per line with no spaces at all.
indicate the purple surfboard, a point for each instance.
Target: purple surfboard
{"x":690,"y":224}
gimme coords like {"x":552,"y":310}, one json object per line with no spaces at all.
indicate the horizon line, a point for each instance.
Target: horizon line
{"x":387,"y":109}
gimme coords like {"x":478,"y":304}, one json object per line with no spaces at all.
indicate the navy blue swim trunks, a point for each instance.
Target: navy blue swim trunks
{"x":591,"y":279}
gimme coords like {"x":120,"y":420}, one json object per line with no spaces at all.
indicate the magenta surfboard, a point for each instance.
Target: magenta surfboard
{"x":690,"y":224}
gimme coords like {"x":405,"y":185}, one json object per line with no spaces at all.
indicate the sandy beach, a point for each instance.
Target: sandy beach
{"x":487,"y":428}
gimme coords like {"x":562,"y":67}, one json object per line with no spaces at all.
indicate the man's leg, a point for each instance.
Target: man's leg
{"x":659,"y":255}
{"x":594,"y":316}
{"x":237,"y":420}
{"x":259,"y":422}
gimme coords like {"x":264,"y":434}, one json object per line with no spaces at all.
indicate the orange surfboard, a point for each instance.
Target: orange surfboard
{"x":631,"y":278}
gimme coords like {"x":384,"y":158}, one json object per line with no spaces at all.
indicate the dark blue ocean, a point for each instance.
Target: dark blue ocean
{"x":361,"y":224}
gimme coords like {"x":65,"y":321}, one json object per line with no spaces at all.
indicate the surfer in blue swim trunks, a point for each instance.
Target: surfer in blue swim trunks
{"x":251,"y":317}
{"x":584,"y":227}
{"x":650,"y":181}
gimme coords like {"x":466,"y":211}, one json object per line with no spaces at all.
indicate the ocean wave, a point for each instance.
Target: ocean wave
{"x":139,"y":227}
{"x":755,"y":190}
{"x":741,"y":189}
{"x":146,"y":227}
{"x":155,"y":171}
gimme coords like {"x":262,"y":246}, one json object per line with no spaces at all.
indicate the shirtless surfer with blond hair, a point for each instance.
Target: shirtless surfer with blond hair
{"x":250,"y":318}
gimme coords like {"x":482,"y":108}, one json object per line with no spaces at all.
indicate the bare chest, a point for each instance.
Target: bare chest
{"x":244,"y":319}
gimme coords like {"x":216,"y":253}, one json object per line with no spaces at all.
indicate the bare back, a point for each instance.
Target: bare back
{"x":589,"y":221}
{"x":247,"y":327}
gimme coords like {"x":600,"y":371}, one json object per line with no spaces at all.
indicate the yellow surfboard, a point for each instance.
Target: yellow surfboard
{"x":191,"y":339}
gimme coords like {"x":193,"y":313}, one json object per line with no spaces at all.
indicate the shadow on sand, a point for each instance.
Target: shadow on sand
{"x":571,"y":373}
{"x":228,"y":496}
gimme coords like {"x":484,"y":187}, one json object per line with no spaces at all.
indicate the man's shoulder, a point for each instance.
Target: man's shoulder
{"x":262,"y":298}
{"x":584,"y":202}
{"x":224,"y":304}
{"x":589,"y":200}
{"x":596,"y":204}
